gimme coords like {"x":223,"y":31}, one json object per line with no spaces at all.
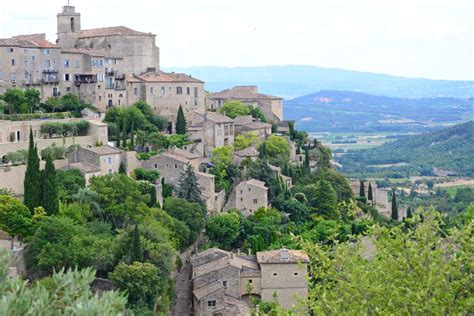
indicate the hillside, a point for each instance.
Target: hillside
{"x":351,"y":112}
{"x":447,"y":149}
{"x":294,"y":81}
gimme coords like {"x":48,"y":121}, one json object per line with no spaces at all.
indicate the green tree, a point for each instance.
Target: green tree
{"x":306,"y":158}
{"x":32,"y":98}
{"x":324,"y":199}
{"x":122,"y":169}
{"x":69,"y":182}
{"x":362,"y":189}
{"x":158,"y":141}
{"x":49,"y":188}
{"x":141,"y":281}
{"x":124,"y":132}
{"x":136,"y":253}
{"x":192,"y":214}
{"x":15,"y":218}
{"x":245,"y":140}
{"x":64,"y":293}
{"x":414,"y":265}
{"x":394,"y":212}
{"x":223,"y":229}
{"x":277,"y":150}
{"x":180,"y":122}
{"x":150,"y":175}
{"x":409,"y":212}
{"x":188,"y":187}
{"x":32,"y":182}
{"x":234,"y":108}
{"x":370,"y":194}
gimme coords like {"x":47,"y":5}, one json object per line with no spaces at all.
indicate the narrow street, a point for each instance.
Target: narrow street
{"x":183,"y":293}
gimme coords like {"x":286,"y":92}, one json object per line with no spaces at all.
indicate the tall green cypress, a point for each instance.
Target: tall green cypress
{"x":153,"y":199}
{"x":118,"y":135}
{"x":122,"y":169}
{"x":124,"y":132}
{"x":306,"y":157}
{"x":136,"y":253}
{"x":394,"y":214}
{"x":263,"y":151}
{"x":362,"y":189}
{"x":132,"y":136}
{"x":49,"y":188}
{"x":180,"y":122}
{"x":32,"y":182}
{"x":370,"y":194}
{"x":409,"y":212}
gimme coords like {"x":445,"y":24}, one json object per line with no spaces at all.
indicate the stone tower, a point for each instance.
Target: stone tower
{"x":69,"y":27}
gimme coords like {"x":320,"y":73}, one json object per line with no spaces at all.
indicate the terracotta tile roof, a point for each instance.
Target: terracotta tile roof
{"x":218,"y":118}
{"x":243,"y":93}
{"x":104,"y":150}
{"x":85,"y":51}
{"x":247,"y":152}
{"x":256,"y":125}
{"x":161,"y":76}
{"x":254,"y":182}
{"x":282,"y":256}
{"x":111,"y":31}
{"x":28,"y":41}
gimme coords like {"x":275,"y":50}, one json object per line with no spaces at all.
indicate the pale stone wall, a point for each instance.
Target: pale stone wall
{"x":255,"y":282}
{"x":249,"y":198}
{"x":287,"y":280}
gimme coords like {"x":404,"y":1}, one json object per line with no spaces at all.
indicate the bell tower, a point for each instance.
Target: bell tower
{"x":69,"y":27}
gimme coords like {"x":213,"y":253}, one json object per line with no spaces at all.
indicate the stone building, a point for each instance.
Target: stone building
{"x":110,"y":66}
{"x":248,"y":124}
{"x":223,"y":281}
{"x":250,"y":195}
{"x":172,"y":164}
{"x":271,"y":106}
{"x":247,"y":153}
{"x":379,"y":195}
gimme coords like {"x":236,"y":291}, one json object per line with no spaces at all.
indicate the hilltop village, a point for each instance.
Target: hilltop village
{"x":95,"y":104}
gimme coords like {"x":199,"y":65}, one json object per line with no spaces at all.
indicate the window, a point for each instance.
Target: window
{"x":188,"y":90}
{"x":66,"y":63}
{"x":249,"y":189}
{"x":100,"y":98}
{"x":110,"y":171}
{"x":179,"y":90}
{"x":195,"y":102}
{"x":224,"y":284}
{"x":73,"y":28}
{"x":241,"y":199}
{"x":33,"y":58}
{"x":47,"y":63}
{"x":135,"y":91}
{"x":195,"y":92}
{"x":296,"y":273}
{"x":13,"y":62}
{"x":100,"y":77}
{"x":255,"y":201}
{"x":162,"y":91}
{"x":176,"y":166}
{"x":110,"y":160}
{"x":68,"y":89}
{"x":46,"y":51}
{"x":274,"y":274}
{"x":250,"y":281}
{"x":66,"y":77}
{"x":211,"y":303}
{"x":10,"y":50}
{"x":26,"y":75}
{"x":156,"y":166}
{"x":13,"y":76}
{"x":151,"y":90}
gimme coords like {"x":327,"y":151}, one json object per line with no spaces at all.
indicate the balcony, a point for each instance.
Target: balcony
{"x":109,"y":72}
{"x":50,"y":76}
{"x":119,"y":76}
{"x":32,"y":82}
{"x":85,"y":79}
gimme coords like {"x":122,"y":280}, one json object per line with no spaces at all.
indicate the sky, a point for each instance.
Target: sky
{"x":412,"y":38}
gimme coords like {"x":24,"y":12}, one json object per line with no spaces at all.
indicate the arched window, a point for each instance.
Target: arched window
{"x":109,"y":103}
{"x":73,"y":27}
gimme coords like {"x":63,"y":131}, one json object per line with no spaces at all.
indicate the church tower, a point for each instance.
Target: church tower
{"x":69,"y":27}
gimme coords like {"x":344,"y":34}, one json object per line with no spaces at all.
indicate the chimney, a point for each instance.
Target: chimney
{"x":284,"y":255}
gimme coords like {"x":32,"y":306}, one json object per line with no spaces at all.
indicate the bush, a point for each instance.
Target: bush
{"x":54,"y":151}
{"x":147,"y":175}
{"x":58,"y":129}
{"x":18,"y":157}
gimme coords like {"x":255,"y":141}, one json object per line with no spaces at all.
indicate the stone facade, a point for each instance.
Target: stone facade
{"x":271,"y":106}
{"x":250,"y":196}
{"x":102,"y":160}
{"x":247,"y":124}
{"x":213,"y":130}
{"x":223,"y":281}
{"x":379,"y":195}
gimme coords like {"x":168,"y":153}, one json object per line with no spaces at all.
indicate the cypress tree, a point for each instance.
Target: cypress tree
{"x":49,"y":188}
{"x":180,"y":122}
{"x":188,"y":187}
{"x":263,"y":151}
{"x":370,"y":195}
{"x":132,"y":137}
{"x":153,"y":200}
{"x":362,"y":189}
{"x":306,"y":157}
{"x":136,"y":253}
{"x":122,"y":169}
{"x":124,"y":132}
{"x":32,"y":182}
{"x":409,"y":212}
{"x":118,"y":135}
{"x":394,"y":214}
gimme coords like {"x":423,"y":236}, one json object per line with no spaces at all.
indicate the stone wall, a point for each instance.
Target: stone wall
{"x":249,"y":198}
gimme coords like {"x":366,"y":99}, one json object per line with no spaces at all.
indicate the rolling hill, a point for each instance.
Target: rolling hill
{"x":294,"y":81}
{"x":450,"y":149}
{"x":353,"y":112}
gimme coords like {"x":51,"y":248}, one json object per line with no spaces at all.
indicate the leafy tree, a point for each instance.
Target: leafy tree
{"x":223,"y":229}
{"x":49,"y":188}
{"x":180,"y":122}
{"x":166,"y":189}
{"x":32,"y":182}
{"x":177,"y":140}
{"x":136,"y":253}
{"x":69,"y":182}
{"x":147,"y":174}
{"x":245,"y":140}
{"x":32,"y":98}
{"x":141,"y":281}
{"x":192,"y":214}
{"x":234,"y":108}
{"x":63,"y":293}
{"x":15,"y":218}
{"x":323,"y":199}
{"x":394,"y":212}
{"x":188,"y":186}
{"x":158,"y":141}
{"x":277,"y":150}
{"x":257,"y":113}
{"x":298,"y":212}
{"x":413,"y":265}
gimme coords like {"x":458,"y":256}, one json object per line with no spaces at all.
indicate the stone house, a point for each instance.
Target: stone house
{"x":250,"y":195}
{"x":287,"y":181}
{"x":213,"y":130}
{"x":271,"y":106}
{"x":246,"y":123}
{"x":223,"y":281}
{"x":379,"y":195}
{"x":247,"y":153}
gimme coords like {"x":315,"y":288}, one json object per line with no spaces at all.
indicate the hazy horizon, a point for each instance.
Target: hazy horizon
{"x":411,"y":38}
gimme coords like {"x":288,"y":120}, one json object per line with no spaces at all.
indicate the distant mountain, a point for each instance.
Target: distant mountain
{"x":348,"y":111}
{"x":294,"y":81}
{"x":449,"y":149}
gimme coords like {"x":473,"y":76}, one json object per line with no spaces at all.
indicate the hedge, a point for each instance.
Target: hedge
{"x":58,"y":129}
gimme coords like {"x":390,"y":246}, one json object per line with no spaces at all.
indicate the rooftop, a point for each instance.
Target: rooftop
{"x":207,"y":289}
{"x":104,"y":150}
{"x":242,"y":92}
{"x":243,"y":119}
{"x":247,"y":152}
{"x":85,"y":51}
{"x":28,"y":41}
{"x":257,"y":125}
{"x":218,"y":118}
{"x":111,"y":31}
{"x":161,"y":76}
{"x":282,"y":256}
{"x":254,"y":182}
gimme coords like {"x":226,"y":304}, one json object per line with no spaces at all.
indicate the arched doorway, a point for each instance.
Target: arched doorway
{"x":109,"y":103}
